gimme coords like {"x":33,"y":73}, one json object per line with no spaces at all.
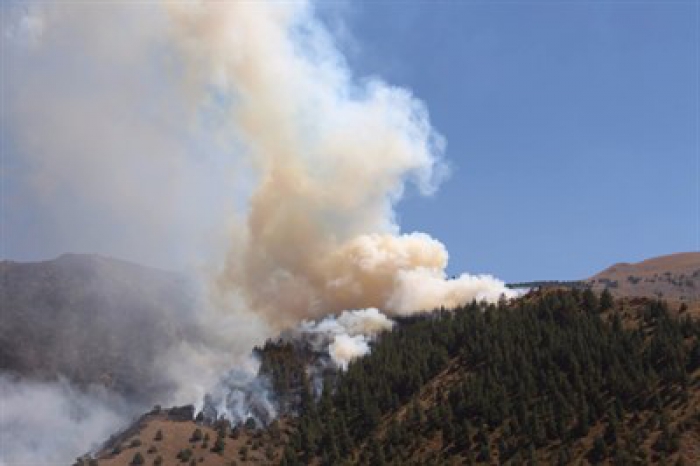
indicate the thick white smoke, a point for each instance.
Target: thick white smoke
{"x":333,"y":154}
{"x":346,"y":348}
{"x":347,"y":336}
{"x":53,"y":422}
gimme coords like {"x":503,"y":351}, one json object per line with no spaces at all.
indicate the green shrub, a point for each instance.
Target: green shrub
{"x":184,"y":455}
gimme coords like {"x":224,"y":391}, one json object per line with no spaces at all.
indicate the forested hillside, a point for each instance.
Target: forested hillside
{"x":557,"y":378}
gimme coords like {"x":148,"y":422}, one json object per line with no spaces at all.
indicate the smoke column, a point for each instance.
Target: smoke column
{"x":332,"y":155}
{"x":197,"y":131}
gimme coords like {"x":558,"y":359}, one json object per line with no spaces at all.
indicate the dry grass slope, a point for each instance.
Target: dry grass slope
{"x":674,"y":278}
{"x":160,"y":440}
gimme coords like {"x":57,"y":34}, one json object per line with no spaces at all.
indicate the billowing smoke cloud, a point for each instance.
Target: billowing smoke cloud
{"x":236,"y":127}
{"x":346,"y":348}
{"x":347,"y":336}
{"x":333,"y":154}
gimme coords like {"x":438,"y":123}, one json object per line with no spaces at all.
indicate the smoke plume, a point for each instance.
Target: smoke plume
{"x":236,"y":130}
{"x":231,"y":136}
{"x":347,"y":336}
{"x":332,"y":155}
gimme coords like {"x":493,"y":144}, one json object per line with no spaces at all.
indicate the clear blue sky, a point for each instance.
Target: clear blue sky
{"x":572,"y":127}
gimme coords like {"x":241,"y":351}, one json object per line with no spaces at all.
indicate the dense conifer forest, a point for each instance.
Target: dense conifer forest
{"x":561,"y":376}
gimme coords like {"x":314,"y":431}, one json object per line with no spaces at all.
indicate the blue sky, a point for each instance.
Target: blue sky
{"x":572,"y":127}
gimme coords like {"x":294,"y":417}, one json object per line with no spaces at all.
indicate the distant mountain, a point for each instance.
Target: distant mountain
{"x":674,"y":277}
{"x":91,"y":319}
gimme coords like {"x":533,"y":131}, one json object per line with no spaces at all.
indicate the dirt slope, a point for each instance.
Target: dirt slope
{"x":159,"y":438}
{"x":674,"y":277}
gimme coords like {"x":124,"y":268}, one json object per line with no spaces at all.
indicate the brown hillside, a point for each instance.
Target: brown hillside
{"x":674,"y":278}
{"x":241,"y":445}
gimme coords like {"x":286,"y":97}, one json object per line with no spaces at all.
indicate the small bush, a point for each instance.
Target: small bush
{"x":219,"y":446}
{"x":137,"y":459}
{"x":196,"y":435}
{"x":184,"y":455}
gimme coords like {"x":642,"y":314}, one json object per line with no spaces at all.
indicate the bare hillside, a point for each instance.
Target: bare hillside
{"x":172,"y":436}
{"x":674,"y":277}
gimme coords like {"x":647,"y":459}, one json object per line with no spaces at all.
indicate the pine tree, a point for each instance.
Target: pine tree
{"x":606,"y":300}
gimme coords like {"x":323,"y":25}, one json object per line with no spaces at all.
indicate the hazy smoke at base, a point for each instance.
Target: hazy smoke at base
{"x":53,"y":422}
{"x":241,"y":394}
{"x":345,"y":337}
